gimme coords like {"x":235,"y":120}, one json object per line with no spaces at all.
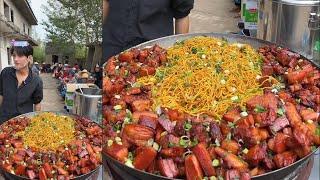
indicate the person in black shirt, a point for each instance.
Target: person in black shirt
{"x":21,"y":91}
{"x":128,"y":23}
{"x":98,"y":76}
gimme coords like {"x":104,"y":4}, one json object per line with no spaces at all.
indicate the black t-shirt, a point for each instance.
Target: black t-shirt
{"x":132,"y":22}
{"x":98,"y":76}
{"x":18,"y":100}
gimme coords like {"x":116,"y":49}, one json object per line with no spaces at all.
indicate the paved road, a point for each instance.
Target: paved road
{"x":52,"y":101}
{"x":213,"y":16}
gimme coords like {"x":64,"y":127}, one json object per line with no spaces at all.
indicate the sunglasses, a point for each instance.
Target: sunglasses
{"x":19,"y":43}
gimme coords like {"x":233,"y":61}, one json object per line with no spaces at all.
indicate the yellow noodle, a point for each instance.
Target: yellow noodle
{"x":48,"y":131}
{"x":204,"y":75}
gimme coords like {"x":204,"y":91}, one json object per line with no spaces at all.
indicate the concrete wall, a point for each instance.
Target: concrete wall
{"x":1,"y":7}
{"x":4,"y":44}
{"x":19,"y":20}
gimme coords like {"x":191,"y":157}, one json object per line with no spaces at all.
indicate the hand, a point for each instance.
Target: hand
{"x":182,"y":25}
{"x":37,"y":107}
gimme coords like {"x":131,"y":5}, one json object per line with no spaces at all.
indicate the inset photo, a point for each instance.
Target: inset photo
{"x":50,"y":89}
{"x":211,"y":90}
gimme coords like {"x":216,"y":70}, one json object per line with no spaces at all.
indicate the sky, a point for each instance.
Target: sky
{"x":41,"y":17}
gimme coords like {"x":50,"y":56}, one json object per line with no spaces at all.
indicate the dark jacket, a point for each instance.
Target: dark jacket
{"x":132,"y":22}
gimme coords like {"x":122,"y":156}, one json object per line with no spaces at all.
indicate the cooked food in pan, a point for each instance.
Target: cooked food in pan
{"x":208,"y":109}
{"x":50,"y":146}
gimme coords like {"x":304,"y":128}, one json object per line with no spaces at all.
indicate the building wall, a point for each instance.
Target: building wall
{"x":1,"y":7}
{"x":19,"y":20}
{"x":48,"y":59}
{"x":4,"y":44}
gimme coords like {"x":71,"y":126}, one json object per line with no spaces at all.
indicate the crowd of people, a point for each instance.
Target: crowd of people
{"x":66,"y":73}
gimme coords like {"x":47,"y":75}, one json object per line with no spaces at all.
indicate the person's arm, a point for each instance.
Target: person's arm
{"x":182,"y":25}
{"x":37,"y":107}
{"x":1,"y":99}
{"x":105,"y":9}
{"x":37,"y":96}
{"x":181,"y":10}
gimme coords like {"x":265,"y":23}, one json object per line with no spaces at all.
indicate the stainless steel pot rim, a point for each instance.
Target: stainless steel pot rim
{"x":233,"y":37}
{"x":265,"y":174}
{"x":88,"y":95}
{"x":299,"y":2}
{"x":31,"y":114}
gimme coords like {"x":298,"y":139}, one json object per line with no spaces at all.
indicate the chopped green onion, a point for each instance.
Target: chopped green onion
{"x":136,"y":84}
{"x":158,"y":110}
{"x":117,"y":127}
{"x":117,"y":70}
{"x":129,"y":163}
{"x":130,"y":156}
{"x":171,"y":144}
{"x":274,"y":90}
{"x":159,"y":74}
{"x":218,"y":67}
{"x":207,"y":126}
{"x":243,"y":109}
{"x":259,"y":109}
{"x":186,"y":153}
{"x":231,"y":125}
{"x":187,"y":126}
{"x":156,"y":146}
{"x":244,"y":114}
{"x":129,"y":113}
{"x":117,"y":107}
{"x":220,"y":178}
{"x":313,"y":148}
{"x":309,"y":121}
{"x":126,"y":120}
{"x":318,"y":131}
{"x":245,"y":151}
{"x":194,"y":50}
{"x":126,"y":72}
{"x":110,"y":142}
{"x":150,"y":142}
{"x":281,"y":112}
{"x":212,"y":178}
{"x":184,"y":141}
{"x":222,"y":81}
{"x":217,"y":142}
{"x":235,"y":99}
{"x":215,"y":163}
{"x":118,"y":140}
{"x":194,"y":142}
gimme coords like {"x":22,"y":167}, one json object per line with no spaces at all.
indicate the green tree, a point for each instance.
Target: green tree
{"x":39,"y":53}
{"x":73,"y":23}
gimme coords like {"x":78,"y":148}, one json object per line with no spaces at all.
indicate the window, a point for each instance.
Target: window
{"x":28,"y":31}
{"x":6,"y":11}
{"x":24,"y":28}
{"x":12,"y":17}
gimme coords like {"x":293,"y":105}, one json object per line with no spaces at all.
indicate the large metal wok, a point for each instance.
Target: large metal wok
{"x":10,"y":176}
{"x":128,"y":173}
